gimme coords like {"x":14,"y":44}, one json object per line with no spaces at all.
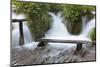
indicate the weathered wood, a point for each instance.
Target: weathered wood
{"x":78,"y":42}
{"x":79,"y":46}
{"x":21,"y":38}
{"x":42,"y":43}
{"x":21,"y":41}
{"x":64,"y":41}
{"x":18,"y":20}
{"x":50,"y":55}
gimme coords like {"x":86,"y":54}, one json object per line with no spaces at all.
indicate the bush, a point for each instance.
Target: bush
{"x":37,"y":16}
{"x":93,"y":34}
{"x":74,"y":14}
{"x":39,"y":20}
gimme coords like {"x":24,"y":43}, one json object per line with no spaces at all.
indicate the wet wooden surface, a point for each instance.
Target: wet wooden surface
{"x":64,"y":41}
{"x":18,"y":20}
{"x":50,"y":55}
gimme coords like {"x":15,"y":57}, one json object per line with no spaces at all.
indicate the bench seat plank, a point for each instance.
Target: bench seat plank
{"x":64,"y":41}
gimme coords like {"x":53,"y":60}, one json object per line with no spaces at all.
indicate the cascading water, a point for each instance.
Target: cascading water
{"x":26,"y":32}
{"x":15,"y":31}
{"x":90,"y":25}
{"x":84,"y":21}
{"x":59,"y":31}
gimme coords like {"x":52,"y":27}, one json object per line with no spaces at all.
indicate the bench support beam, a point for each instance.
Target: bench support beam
{"x":79,"y":43}
{"x":79,"y":47}
{"x":21,"y":38}
{"x":42,"y":43}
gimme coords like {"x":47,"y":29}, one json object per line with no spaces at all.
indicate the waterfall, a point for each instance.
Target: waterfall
{"x":88,"y":27}
{"x":84,"y":21}
{"x":15,"y":31}
{"x":59,"y":31}
{"x":16,"y":35}
{"x":16,"y":16}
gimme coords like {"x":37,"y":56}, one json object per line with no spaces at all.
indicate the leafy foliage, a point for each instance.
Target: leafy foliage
{"x":93,"y":34}
{"x":39,"y":20}
{"x":74,"y":13}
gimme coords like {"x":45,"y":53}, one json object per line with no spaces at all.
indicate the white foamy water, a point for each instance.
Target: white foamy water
{"x":16,"y":34}
{"x":59,"y":31}
{"x":88,"y":27}
{"x":16,"y":16}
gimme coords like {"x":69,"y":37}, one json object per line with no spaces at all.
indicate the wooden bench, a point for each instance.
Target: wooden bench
{"x":43,"y":42}
{"x":21,"y":39}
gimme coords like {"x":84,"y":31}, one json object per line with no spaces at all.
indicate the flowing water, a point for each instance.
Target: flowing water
{"x":15,"y":31}
{"x":58,"y":31}
{"x":88,"y":27}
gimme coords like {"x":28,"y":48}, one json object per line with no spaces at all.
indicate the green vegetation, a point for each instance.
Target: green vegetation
{"x":74,"y":13}
{"x":39,"y":20}
{"x":93,"y":34}
{"x":37,"y":16}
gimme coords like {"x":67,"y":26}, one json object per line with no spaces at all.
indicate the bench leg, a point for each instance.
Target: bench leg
{"x":42,"y":43}
{"x":21,"y":38}
{"x":79,"y":46}
{"x":21,"y":41}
